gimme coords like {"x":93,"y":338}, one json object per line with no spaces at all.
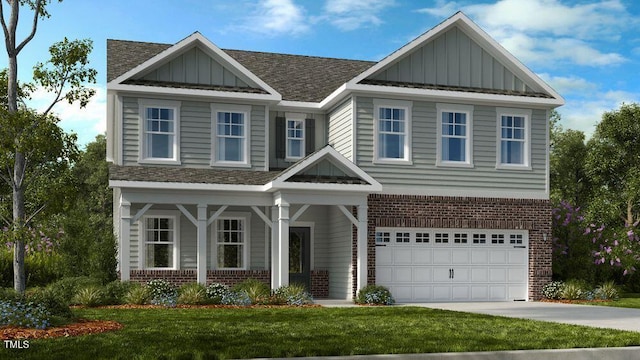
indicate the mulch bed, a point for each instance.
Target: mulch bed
{"x":573,"y":301}
{"x":82,"y":327}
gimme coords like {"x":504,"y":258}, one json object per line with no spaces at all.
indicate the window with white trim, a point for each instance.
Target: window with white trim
{"x":230,"y":145}
{"x":295,"y":139}
{"x":392,"y":138}
{"x":454,"y":135}
{"x":160,"y":232}
{"x":159,"y":131}
{"x":231,"y":238}
{"x":513,"y":138}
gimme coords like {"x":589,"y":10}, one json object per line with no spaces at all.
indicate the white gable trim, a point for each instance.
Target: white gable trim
{"x":332,"y":155}
{"x":477,"y":34}
{"x":160,"y":90}
{"x":214,"y":51}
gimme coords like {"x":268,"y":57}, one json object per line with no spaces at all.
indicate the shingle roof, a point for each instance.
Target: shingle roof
{"x":190,"y":175}
{"x":295,"y":77}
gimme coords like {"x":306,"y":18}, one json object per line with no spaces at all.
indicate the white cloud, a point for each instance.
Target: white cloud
{"x":86,"y":122}
{"x":350,"y":15}
{"x":276,"y":17}
{"x":569,"y":84}
{"x":545,"y":31}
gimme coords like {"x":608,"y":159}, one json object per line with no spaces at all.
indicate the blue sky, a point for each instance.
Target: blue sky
{"x":589,"y":51}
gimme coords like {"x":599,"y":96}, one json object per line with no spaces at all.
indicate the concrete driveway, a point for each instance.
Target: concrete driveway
{"x":587,"y":315}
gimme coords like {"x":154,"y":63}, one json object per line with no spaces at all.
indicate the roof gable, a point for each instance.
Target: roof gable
{"x":194,"y":62}
{"x":456,"y":55}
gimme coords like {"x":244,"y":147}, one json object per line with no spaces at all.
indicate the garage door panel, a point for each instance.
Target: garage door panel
{"x":422,"y":256}
{"x":517,"y":275}
{"x":384,"y":274}
{"x":497,"y":256}
{"x":479,"y":257}
{"x":497,"y":292}
{"x":384,"y":256}
{"x":460,"y":293}
{"x":479,"y":275}
{"x":422,"y":274}
{"x":422,"y":293}
{"x":402,"y":274}
{"x":402,"y":293}
{"x":517,"y":293}
{"x":479,"y":292}
{"x":441,"y":274}
{"x":442,"y":256}
{"x":461,"y":274}
{"x":517,"y":256}
{"x":460,"y":256}
{"x":441,"y":292}
{"x":498,"y":275}
{"x":402,"y":256}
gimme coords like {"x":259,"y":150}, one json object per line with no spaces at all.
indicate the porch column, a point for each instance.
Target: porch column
{"x":202,"y":244}
{"x":125,"y":235}
{"x":283,"y":245}
{"x":362,"y":247}
{"x":275,"y":263}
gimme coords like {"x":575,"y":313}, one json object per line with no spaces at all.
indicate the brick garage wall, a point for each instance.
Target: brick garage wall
{"x":466,"y":213}
{"x":319,"y":278}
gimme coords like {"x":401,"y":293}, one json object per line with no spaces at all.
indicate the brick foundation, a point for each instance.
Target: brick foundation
{"x":319,"y":278}
{"x":466,"y":213}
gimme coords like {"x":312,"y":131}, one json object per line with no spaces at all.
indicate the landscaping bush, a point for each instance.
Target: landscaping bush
{"x":257,"y":291}
{"x":238,"y":298}
{"x":574,"y":290}
{"x":192,"y":294}
{"x":52,"y":301}
{"x":294,"y":294}
{"x":607,"y":291}
{"x":137,"y":295}
{"x":215,"y":292}
{"x":553,"y":290}
{"x":10,"y":294}
{"x":24,"y":314}
{"x":67,"y":288}
{"x":115,"y":292}
{"x":374,"y":295}
{"x":162,"y":293}
{"x":90,"y":296}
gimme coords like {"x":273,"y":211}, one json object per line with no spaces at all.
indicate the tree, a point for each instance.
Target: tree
{"x":613,"y":165}
{"x":569,"y":181}
{"x":63,"y":75}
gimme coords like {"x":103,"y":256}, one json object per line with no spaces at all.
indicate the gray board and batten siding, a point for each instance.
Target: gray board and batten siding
{"x":453,"y":59}
{"x":195,"y":134}
{"x":195,"y":67}
{"x":341,"y":128}
{"x":423,"y":172}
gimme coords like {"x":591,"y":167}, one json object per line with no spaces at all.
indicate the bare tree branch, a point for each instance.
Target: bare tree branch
{"x":34,"y":214}
{"x":4,"y":28}
{"x":36,"y":16}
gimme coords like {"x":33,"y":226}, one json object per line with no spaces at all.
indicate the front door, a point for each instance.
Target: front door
{"x":300,"y":256}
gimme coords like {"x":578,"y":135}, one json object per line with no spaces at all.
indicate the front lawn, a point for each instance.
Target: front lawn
{"x":628,"y":300}
{"x":289,"y":332}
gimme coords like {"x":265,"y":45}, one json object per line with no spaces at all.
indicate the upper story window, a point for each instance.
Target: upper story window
{"x":160,"y":124}
{"x":513,"y":138}
{"x":455,"y":135}
{"x":230,"y":143}
{"x":160,"y":248}
{"x":392,"y":139}
{"x":295,"y":138}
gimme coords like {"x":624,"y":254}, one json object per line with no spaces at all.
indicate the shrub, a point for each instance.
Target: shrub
{"x":574,"y":290}
{"x":553,"y":290}
{"x":116,"y":291}
{"x":257,"y":291}
{"x":10,"y":294}
{"x":53,"y":302}
{"x":66,"y":288}
{"x":137,"y":295}
{"x":294,"y":294}
{"x":374,"y":295}
{"x":90,"y":296}
{"x":239,"y":298}
{"x":215,"y":292}
{"x":607,"y":291}
{"x":23,"y":314}
{"x":192,"y":294}
{"x":161,"y":288}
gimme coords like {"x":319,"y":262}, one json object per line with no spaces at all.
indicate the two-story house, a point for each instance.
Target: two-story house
{"x":426,"y":172}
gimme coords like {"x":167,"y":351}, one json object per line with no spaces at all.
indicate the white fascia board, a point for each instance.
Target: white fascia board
{"x":334,"y":97}
{"x":303,"y":106}
{"x":197,"y":38}
{"x":456,"y":96}
{"x":324,"y":187}
{"x":183,"y":186}
{"x":158,"y":90}
{"x":428,"y":191}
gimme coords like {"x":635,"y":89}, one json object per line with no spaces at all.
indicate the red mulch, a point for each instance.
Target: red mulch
{"x":180,"y":306}
{"x":82,"y":327}
{"x":573,"y":301}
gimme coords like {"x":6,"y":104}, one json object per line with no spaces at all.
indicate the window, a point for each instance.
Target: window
{"x":454,"y":135}
{"x":479,"y":238}
{"x":230,"y":145}
{"x":497,"y":238}
{"x":295,"y":139}
{"x":160,"y":131}
{"x":515,"y":239}
{"x":403,"y":237}
{"x":422,"y":238}
{"x":231,"y":237}
{"x":442,"y":238}
{"x":392,"y":122}
{"x":383,"y":237}
{"x":513,"y":137}
{"x":459,"y":238}
{"x":160,"y":240}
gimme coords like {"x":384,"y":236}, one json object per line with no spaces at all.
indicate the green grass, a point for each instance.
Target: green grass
{"x":289,"y":332}
{"x":628,"y":300}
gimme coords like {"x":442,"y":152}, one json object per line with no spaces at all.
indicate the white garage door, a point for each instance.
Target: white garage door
{"x":452,"y":264}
